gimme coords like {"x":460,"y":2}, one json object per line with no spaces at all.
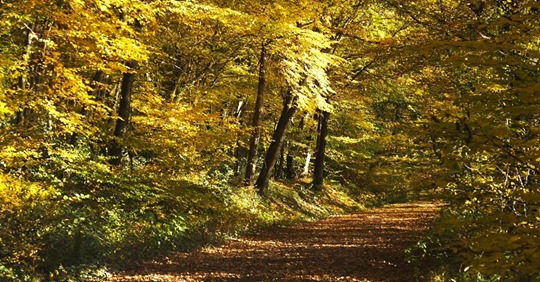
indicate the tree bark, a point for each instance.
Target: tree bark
{"x":290,"y":167}
{"x":251,"y":164}
{"x":32,"y":61}
{"x":289,"y":108}
{"x":278,"y":173}
{"x":318,"y":170}
{"x":305,"y":171}
{"x":239,"y":151}
{"x":124,"y":112}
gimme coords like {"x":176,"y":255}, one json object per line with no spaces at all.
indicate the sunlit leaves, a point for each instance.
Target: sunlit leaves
{"x":482,"y":116}
{"x":303,"y":65}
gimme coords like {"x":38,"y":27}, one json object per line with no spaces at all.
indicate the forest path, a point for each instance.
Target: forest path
{"x":366,"y":246}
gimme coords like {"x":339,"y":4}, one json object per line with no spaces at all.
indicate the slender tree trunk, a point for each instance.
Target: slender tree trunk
{"x":238,"y":150}
{"x":278,"y":174}
{"x":237,"y":156}
{"x":305,"y":171}
{"x":32,"y":76}
{"x":254,"y":141}
{"x":124,"y":111}
{"x":290,"y":167}
{"x":318,"y":171}
{"x":289,"y":108}
{"x":23,"y":80}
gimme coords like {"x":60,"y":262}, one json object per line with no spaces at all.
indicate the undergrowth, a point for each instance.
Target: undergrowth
{"x":114,"y":221}
{"x":446,"y":253}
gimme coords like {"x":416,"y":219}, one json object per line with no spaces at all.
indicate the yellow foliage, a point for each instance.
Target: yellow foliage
{"x":16,"y":193}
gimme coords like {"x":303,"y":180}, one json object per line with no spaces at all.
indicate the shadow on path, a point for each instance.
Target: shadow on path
{"x":367,"y":246}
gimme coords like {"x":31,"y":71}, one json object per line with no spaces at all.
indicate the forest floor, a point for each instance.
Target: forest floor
{"x":366,"y":246}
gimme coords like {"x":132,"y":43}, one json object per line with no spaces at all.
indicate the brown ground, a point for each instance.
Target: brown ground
{"x":368,"y":246}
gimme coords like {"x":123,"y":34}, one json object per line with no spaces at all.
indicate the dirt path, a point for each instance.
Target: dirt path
{"x":368,"y":246}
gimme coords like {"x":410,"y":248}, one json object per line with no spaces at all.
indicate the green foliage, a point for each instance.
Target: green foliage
{"x":426,"y":96}
{"x":110,"y":219}
{"x":476,"y":118}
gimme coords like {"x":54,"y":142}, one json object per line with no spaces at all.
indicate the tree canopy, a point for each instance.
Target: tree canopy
{"x":128,"y":127}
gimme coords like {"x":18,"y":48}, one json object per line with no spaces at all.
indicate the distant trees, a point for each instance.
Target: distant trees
{"x":477,"y":72}
{"x":386,"y":95}
{"x":108,"y":109}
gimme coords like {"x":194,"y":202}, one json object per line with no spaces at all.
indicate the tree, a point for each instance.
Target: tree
{"x":124,"y":113}
{"x":257,"y":116}
{"x":318,"y":173}
{"x":417,"y":95}
{"x":290,"y":107}
{"x":476,"y":65}
{"x":303,"y":69}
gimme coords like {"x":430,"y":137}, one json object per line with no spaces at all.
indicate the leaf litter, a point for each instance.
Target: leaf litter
{"x":365,"y":246}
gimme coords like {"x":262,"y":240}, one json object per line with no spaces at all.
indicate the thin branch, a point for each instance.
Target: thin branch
{"x":360,"y":71}
{"x":513,"y":156}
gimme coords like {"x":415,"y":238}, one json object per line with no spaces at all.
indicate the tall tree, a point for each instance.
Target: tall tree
{"x":318,"y":170}
{"x":254,"y":141}
{"x":124,"y":114}
{"x":303,"y":69}
{"x":290,"y":107}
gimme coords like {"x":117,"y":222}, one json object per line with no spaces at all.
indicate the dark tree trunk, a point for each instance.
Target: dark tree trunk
{"x":77,"y":247}
{"x":278,"y":174}
{"x":289,"y":171}
{"x":124,"y":111}
{"x":289,"y":108}
{"x":318,"y":170}
{"x":254,"y":141}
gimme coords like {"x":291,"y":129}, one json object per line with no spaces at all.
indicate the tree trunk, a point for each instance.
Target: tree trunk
{"x":239,"y":151}
{"x":32,"y":62}
{"x":289,"y":108}
{"x":124,"y":111}
{"x":305,"y":171}
{"x":237,"y":156}
{"x":278,"y":174}
{"x":290,"y":167}
{"x":318,"y":170}
{"x":254,"y":141}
